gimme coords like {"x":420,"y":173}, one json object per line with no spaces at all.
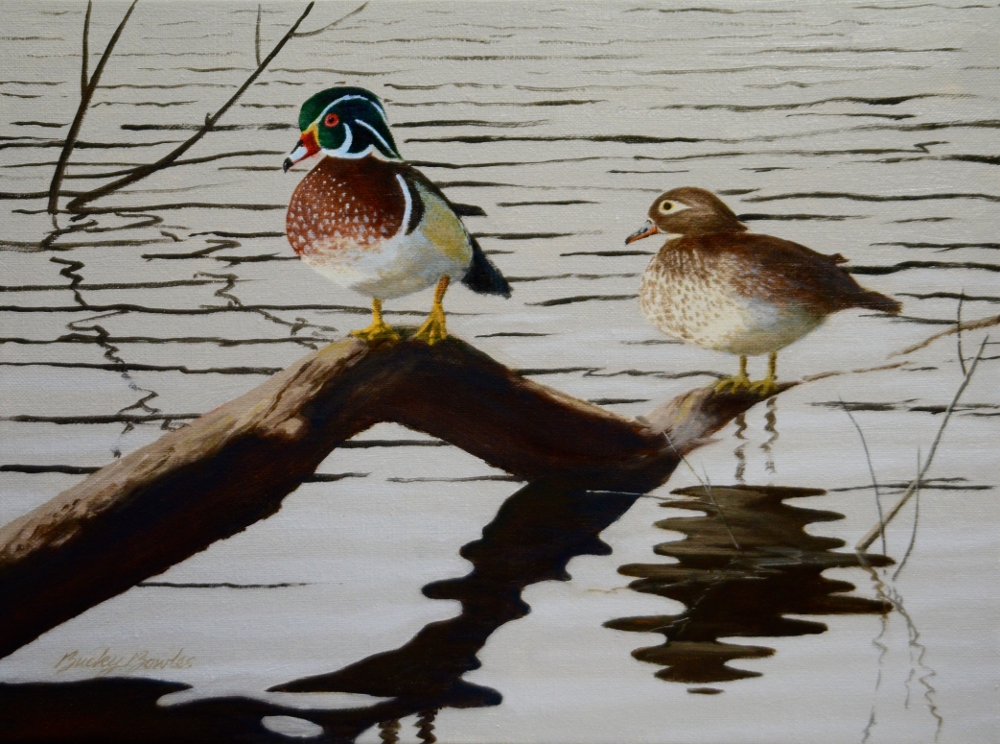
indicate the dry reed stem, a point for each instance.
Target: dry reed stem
{"x":878,"y":529}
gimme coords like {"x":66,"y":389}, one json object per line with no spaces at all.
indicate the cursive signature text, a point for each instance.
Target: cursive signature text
{"x":105,"y":662}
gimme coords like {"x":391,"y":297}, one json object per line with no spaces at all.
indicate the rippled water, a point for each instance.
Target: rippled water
{"x":862,"y":128}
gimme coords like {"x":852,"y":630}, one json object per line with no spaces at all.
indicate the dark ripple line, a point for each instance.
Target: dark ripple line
{"x":943,"y":246}
{"x":352,"y":73}
{"x":505,"y":104}
{"x":266,"y":127}
{"x":139,"y":367}
{"x":627,"y":139}
{"x":904,"y":265}
{"x":757,"y":216}
{"x":582,"y":298}
{"x":950,"y":296}
{"x":216,"y":585}
{"x":467,"y":123}
{"x":720,"y":11}
{"x":524,"y":235}
{"x":157,"y":104}
{"x":84,"y":145}
{"x":871,"y":197}
{"x":130,"y":307}
{"x":885,"y":101}
{"x":849,"y":50}
{"x":112,"y":285}
{"x":79,"y":338}
{"x":157,"y":86}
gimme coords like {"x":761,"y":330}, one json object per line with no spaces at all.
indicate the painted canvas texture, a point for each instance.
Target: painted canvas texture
{"x":699,"y":444}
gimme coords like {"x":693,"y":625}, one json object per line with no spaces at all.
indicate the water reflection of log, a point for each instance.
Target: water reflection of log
{"x":233,"y":466}
{"x":533,"y":536}
{"x":741,"y":589}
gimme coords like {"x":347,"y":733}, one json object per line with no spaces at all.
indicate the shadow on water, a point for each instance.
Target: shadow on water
{"x":533,"y":536}
{"x":739,"y":576}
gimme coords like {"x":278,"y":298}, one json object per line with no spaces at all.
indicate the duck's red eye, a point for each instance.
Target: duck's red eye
{"x":331,"y":120}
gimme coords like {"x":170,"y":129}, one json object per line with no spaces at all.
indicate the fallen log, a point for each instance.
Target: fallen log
{"x":233,"y":466}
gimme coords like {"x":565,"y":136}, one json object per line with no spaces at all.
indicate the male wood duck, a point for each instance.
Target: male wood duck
{"x":373,"y":223}
{"x":715,"y":285}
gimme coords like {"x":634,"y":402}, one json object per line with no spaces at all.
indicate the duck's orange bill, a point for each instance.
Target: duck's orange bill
{"x":643,"y":232}
{"x":304,"y":148}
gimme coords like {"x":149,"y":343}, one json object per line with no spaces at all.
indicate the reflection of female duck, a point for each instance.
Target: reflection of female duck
{"x":715,"y":285}
{"x":739,"y":578}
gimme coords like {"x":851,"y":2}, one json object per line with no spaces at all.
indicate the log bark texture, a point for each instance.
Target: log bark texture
{"x":233,"y":466}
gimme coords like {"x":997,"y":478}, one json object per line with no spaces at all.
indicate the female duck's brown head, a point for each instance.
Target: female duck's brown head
{"x":688,"y":211}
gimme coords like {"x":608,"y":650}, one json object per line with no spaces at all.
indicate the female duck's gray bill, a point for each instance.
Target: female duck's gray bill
{"x":643,"y":232}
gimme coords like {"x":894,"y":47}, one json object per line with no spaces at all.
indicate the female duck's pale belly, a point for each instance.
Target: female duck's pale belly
{"x":351,"y":228}
{"x":697,"y":302}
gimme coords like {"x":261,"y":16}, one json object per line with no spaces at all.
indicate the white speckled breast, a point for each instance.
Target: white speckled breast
{"x":350,"y":226}
{"x":693,"y":298}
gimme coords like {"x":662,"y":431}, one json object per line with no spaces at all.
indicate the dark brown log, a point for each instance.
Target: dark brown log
{"x":233,"y":466}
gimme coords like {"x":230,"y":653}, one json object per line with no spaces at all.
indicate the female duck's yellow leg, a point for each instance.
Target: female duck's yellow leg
{"x":433,"y":329}
{"x":379,"y":329}
{"x":767,"y":386}
{"x":737,"y":383}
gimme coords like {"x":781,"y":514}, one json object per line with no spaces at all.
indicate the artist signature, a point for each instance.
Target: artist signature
{"x":105,"y":663}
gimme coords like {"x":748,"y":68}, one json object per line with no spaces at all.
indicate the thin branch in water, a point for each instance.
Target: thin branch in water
{"x":337,"y":22}
{"x":958,"y":330}
{"x":874,"y":532}
{"x":256,"y":39}
{"x":879,"y":368}
{"x":88,"y":86}
{"x":916,"y":520}
{"x":871,"y":469}
{"x":210,"y":120}
{"x":970,"y":326}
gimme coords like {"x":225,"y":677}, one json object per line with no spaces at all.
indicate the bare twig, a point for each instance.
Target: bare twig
{"x":87,"y":88}
{"x":256,"y":39}
{"x":85,"y":53}
{"x":958,"y":330}
{"x":916,"y":521}
{"x":874,"y":532}
{"x":871,"y":469}
{"x":970,"y":326}
{"x":879,"y":368}
{"x":303,"y":34}
{"x":170,"y":159}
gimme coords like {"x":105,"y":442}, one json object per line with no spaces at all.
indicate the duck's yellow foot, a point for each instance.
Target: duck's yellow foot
{"x":379,"y":330}
{"x":735,"y":384}
{"x":763,"y":388}
{"x":434,"y":328}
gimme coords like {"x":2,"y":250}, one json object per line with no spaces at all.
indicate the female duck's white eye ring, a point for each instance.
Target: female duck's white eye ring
{"x":666,"y":206}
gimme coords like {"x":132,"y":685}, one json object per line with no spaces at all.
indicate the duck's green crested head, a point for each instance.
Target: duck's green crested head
{"x":343,"y":123}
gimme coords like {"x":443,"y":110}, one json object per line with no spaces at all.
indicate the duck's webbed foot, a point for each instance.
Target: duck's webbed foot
{"x":734,"y":384}
{"x":763,"y":388}
{"x":434,"y":328}
{"x":737,"y":383}
{"x":379,"y":330}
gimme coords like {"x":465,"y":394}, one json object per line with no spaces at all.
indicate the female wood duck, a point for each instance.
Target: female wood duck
{"x":715,"y":285}
{"x":371,"y":222}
